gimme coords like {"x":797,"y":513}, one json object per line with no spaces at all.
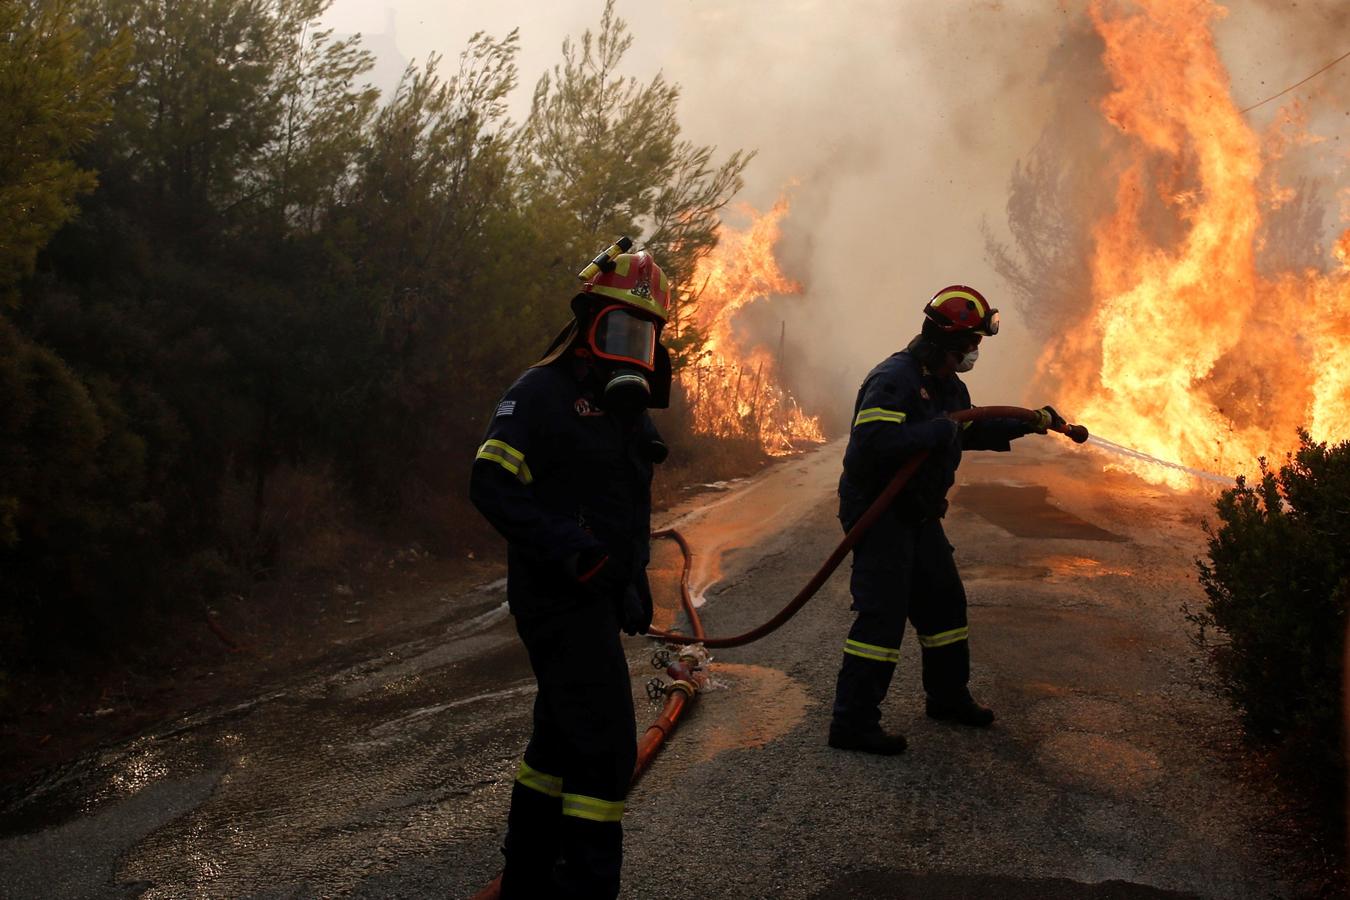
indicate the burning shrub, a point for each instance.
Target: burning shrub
{"x":1277,"y":582}
{"x":736,"y":392}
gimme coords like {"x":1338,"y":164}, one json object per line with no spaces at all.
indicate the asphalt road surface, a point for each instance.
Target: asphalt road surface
{"x":1109,"y":773}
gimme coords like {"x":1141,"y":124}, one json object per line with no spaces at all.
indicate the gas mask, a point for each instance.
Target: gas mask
{"x":968,"y":361}
{"x":624,"y":346}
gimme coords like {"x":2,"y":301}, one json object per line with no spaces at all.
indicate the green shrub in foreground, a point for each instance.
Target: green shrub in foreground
{"x":1277,"y":581}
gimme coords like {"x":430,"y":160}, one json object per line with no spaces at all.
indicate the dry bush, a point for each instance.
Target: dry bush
{"x":302,"y":524}
{"x":698,"y":458}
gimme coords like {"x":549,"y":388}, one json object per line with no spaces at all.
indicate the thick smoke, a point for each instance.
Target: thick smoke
{"x":899,"y":128}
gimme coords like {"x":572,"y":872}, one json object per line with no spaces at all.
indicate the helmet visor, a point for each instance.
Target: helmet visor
{"x":622,"y":336}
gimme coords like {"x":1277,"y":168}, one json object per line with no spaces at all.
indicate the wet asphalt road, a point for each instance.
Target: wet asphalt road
{"x":1108,"y":775}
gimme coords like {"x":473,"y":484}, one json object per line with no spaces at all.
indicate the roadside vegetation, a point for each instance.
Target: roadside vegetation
{"x":1277,"y":583}
{"x":253,"y":314}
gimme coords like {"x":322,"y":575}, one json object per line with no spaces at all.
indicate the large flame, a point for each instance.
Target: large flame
{"x":1187,"y":352}
{"x":734,"y":390}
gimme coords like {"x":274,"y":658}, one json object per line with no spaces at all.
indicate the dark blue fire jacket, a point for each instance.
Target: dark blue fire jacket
{"x":892,"y":420}
{"x":556,"y":475}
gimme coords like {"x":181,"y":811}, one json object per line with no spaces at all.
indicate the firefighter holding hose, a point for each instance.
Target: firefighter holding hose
{"x":903,"y":567}
{"x":564,"y":474}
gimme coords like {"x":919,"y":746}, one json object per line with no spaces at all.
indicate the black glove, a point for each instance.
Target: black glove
{"x":635,"y":612}
{"x":603,"y":579}
{"x":1046,"y":419}
{"x":936,"y":433}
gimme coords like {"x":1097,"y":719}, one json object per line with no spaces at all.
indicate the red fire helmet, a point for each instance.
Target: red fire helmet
{"x":635,"y":280}
{"x":957,"y":308}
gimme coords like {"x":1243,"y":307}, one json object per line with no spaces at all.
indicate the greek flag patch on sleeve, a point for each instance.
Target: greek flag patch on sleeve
{"x":506,"y":408}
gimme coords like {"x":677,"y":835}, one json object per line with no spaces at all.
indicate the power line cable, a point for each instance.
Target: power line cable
{"x":1345,"y":55}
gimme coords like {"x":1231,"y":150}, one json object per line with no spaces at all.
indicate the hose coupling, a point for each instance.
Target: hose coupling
{"x":688,"y":687}
{"x":680,"y":671}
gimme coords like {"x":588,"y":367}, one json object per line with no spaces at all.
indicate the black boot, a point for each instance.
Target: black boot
{"x":871,"y":741}
{"x":962,"y":711}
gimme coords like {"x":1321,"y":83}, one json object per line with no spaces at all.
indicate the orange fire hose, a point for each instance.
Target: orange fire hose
{"x":685,"y":687}
{"x":686,"y":600}
{"x":686,"y":683}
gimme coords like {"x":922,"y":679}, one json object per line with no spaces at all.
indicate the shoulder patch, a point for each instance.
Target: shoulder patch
{"x":506,"y":408}
{"x":585,"y":407}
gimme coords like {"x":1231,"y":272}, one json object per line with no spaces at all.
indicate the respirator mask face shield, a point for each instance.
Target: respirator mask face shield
{"x":623,"y":337}
{"x":624,"y":343}
{"x":966,"y":354}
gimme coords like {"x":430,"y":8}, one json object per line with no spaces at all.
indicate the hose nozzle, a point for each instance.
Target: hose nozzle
{"x":1077,"y":433}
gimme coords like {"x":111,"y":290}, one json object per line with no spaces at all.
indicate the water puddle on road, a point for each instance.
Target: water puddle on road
{"x":716,"y":527}
{"x":316,"y":795}
{"x":1025,"y":511}
{"x":760,"y":706}
{"x":1073,"y":568}
{"x":663,"y":573}
{"x":1046,"y":568}
{"x":997,"y":572}
{"x":1099,"y":763}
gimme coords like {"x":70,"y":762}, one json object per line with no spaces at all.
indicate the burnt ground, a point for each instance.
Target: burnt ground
{"x":383,"y":770}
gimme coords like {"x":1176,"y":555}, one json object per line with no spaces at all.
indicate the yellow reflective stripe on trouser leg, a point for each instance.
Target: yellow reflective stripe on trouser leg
{"x":877,"y":414}
{"x":506,"y":456}
{"x":593,"y":808}
{"x":531,"y":777}
{"x":944,"y":638}
{"x":872,"y":651}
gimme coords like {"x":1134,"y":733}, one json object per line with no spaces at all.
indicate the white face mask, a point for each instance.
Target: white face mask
{"x":968,"y":361}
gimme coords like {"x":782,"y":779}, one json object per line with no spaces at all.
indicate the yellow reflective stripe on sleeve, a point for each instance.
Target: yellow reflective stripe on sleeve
{"x":593,"y":808}
{"x":502,"y":454}
{"x":506,"y":456}
{"x":944,"y":638}
{"x":531,"y":777}
{"x":965,"y":425}
{"x":872,"y":651}
{"x":877,"y":414}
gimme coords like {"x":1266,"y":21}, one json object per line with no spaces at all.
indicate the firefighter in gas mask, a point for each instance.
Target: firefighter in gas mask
{"x":903,"y":566}
{"x":564,"y":474}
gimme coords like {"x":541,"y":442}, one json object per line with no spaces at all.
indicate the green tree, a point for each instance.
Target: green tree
{"x":53,"y":96}
{"x":232,"y":106}
{"x":282,"y":276}
{"x":602,"y":156}
{"x":309,"y":156}
{"x":420,"y":234}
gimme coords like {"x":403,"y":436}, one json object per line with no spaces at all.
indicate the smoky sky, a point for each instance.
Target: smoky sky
{"x":893,"y":126}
